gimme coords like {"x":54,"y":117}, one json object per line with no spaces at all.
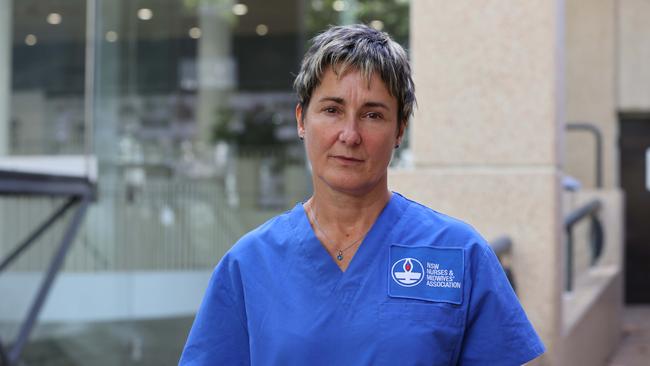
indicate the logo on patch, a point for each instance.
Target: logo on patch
{"x":407,"y":272}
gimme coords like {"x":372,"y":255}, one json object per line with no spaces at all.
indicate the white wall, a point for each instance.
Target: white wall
{"x":77,"y":297}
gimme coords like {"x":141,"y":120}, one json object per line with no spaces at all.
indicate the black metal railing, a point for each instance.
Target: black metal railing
{"x":598,"y":138}
{"x":502,"y":246}
{"x":77,"y":191}
{"x":596,"y":235}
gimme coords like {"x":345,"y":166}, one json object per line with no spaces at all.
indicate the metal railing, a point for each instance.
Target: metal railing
{"x":598,"y":138}
{"x":161,"y":226}
{"x":596,"y":236}
{"x":78,"y":192}
{"x":502,"y":246}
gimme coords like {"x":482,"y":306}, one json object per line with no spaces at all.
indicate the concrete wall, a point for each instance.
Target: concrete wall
{"x":486,"y":137}
{"x":490,"y":147}
{"x":485,"y":75}
{"x":590,"y":282}
{"x":594,"y":329}
{"x":592,"y":312}
{"x":633,"y":55}
{"x":591,"y":88}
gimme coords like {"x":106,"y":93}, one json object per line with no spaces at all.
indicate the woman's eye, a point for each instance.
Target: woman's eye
{"x":374,"y":115}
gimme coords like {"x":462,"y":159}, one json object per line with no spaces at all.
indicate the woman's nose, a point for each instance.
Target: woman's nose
{"x":349,"y":133}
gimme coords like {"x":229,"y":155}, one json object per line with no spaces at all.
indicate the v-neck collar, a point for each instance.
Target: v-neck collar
{"x":321,"y":265}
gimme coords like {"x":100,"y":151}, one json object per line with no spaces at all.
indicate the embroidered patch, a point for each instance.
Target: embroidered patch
{"x":426,"y":273}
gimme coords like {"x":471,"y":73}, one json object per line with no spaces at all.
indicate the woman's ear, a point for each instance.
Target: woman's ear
{"x":400,"y":132}
{"x":300,"y":126}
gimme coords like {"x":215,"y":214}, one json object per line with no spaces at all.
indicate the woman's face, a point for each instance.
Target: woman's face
{"x":350,"y":130}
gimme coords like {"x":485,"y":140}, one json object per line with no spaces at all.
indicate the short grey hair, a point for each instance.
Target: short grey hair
{"x":362,"y":48}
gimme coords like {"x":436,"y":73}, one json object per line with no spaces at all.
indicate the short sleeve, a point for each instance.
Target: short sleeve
{"x":219,"y":334}
{"x":498,"y":331}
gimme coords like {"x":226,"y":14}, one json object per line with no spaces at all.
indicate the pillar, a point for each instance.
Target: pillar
{"x":216,"y":67}
{"x":591,"y":89}
{"x":486,"y":135}
{"x":593,"y":316}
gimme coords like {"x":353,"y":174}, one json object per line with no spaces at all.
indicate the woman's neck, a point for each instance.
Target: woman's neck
{"x":344,"y":217}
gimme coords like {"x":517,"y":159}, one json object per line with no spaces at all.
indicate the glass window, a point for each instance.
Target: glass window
{"x":47,"y":78}
{"x":189,"y":109}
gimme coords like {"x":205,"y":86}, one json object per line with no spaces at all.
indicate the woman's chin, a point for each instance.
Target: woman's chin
{"x":352,"y":186}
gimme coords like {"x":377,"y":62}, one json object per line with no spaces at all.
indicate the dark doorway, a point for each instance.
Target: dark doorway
{"x":635,"y":180}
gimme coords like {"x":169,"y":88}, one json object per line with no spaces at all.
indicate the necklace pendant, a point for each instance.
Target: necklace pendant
{"x":340,"y":256}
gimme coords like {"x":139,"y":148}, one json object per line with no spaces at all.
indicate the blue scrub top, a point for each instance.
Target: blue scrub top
{"x":422,"y":289}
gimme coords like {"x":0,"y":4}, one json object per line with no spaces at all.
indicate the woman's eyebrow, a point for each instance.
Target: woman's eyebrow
{"x":371,"y":104}
{"x":332,"y":99}
{"x":376,"y":105}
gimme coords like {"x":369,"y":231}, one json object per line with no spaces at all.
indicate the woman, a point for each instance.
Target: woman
{"x":358,"y":275}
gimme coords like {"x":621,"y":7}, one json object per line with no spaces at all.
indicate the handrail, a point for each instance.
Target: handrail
{"x":501,"y":246}
{"x":588,"y":210}
{"x":80,"y":192}
{"x":598,"y":137}
{"x":580,"y":213}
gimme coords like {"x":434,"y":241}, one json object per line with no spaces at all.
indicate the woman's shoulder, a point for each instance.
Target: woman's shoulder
{"x":276,"y":231}
{"x":439,"y":228}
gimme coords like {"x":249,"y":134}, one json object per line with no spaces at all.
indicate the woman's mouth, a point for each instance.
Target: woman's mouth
{"x":347,"y":159}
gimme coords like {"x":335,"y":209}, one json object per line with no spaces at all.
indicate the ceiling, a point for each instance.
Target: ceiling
{"x":171,"y":18}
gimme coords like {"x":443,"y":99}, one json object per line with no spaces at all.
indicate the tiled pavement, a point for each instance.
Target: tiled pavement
{"x":142,"y":343}
{"x":159,"y":342}
{"x":634,"y":349}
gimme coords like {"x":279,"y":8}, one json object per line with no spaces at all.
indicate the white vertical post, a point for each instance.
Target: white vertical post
{"x":216,"y":67}
{"x":6,"y":26}
{"x":89,"y":86}
{"x":647,"y":169}
{"x":6,"y":44}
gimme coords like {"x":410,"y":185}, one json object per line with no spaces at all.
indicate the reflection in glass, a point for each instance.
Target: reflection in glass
{"x":194,"y":130}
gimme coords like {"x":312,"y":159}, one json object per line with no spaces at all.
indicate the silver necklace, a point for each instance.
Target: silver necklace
{"x":339,"y":255}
